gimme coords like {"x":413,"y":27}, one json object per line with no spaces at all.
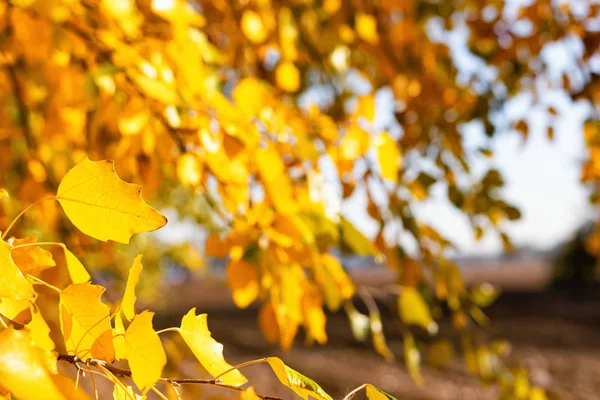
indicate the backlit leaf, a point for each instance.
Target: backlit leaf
{"x":356,"y":240}
{"x":128,"y":303}
{"x":39,"y":330}
{"x":388,"y":156}
{"x":122,"y":392}
{"x":414,"y":310}
{"x":20,"y":362}
{"x":31,"y":259}
{"x":412,"y":358}
{"x":194,"y":330}
{"x":12,"y":282}
{"x":103,"y":206}
{"x":144,"y":351}
{"x":243,"y":281}
{"x":287,"y":77}
{"x":77,"y":271}
{"x":253,"y":27}
{"x":374,"y":393}
{"x":85,"y":323}
{"x":300,"y":384}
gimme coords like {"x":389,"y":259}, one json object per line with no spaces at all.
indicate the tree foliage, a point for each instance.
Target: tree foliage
{"x":262,"y":119}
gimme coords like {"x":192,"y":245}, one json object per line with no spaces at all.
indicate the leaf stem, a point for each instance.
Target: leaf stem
{"x":23,"y":212}
{"x":44,"y":283}
{"x":167,"y":330}
{"x":244,"y":364}
{"x":19,"y":246}
{"x":352,"y":393}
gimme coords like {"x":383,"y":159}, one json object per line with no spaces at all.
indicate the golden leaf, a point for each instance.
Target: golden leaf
{"x":300,"y":384}
{"x":3,"y":193}
{"x":77,"y":271}
{"x":379,"y":342}
{"x":287,"y":76}
{"x":122,"y":392}
{"x":388,"y":156}
{"x":253,"y":27}
{"x":119,"y":338}
{"x":249,"y":394}
{"x":12,"y":282}
{"x":20,"y":361}
{"x":243,"y":281}
{"x":412,"y":358}
{"x":128,"y":303}
{"x":274,"y":178}
{"x":189,"y":171}
{"x":414,"y":310}
{"x":194,"y":330}
{"x":313,"y":315}
{"x":144,"y":351}
{"x":103,"y":206}
{"x":155,"y":89}
{"x":373,"y":393}
{"x":85,"y":322}
{"x":39,"y":330}
{"x":334,"y":282}
{"x":31,"y":259}
{"x":366,"y":28}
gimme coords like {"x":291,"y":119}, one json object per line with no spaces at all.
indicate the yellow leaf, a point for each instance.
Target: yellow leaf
{"x":253,"y":27}
{"x":128,"y":303}
{"x":16,"y":310}
{"x":24,"y":368}
{"x":215,"y":247}
{"x":388,"y":156}
{"x":31,"y":259}
{"x":412,"y":358}
{"x":287,"y":76}
{"x":356,"y":240}
{"x":300,"y":384}
{"x":440,"y":353}
{"x":39,"y":330}
{"x":379,"y":342}
{"x":77,"y":271}
{"x":12,"y":282}
{"x":122,"y":392}
{"x":267,"y":321}
{"x":144,"y":351}
{"x":373,"y":393}
{"x":103,"y":206}
{"x":314,"y":317}
{"x":3,"y":193}
{"x":249,"y":394}
{"x":366,"y":27}
{"x":243,"y":280}
{"x":335,"y":283}
{"x":85,"y":322}
{"x":275,"y":180}
{"x":155,"y":89}
{"x":194,"y":330}
{"x":189,"y":171}
{"x":414,"y":311}
{"x":119,"y":338}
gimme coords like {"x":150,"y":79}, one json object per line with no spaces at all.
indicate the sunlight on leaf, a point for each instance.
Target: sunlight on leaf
{"x":12,"y":282}
{"x":374,"y":393}
{"x":85,"y":323}
{"x":194,"y":330}
{"x":144,"y":351}
{"x":129,"y":298}
{"x":414,"y":310}
{"x":103,"y":206}
{"x":300,"y":384}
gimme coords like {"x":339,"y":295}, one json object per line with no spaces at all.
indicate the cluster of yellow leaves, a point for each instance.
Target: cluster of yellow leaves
{"x":92,"y":332}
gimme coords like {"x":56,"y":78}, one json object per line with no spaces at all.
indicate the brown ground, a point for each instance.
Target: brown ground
{"x":556,"y":337}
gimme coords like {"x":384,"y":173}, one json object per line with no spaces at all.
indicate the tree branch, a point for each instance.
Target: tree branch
{"x":125,"y":373}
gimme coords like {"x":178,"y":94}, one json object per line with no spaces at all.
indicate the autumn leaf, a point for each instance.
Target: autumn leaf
{"x":144,"y":351}
{"x":85,"y":322}
{"x":388,"y":156}
{"x":243,"y":281}
{"x":103,"y":206}
{"x":300,"y":384}
{"x":374,"y":393}
{"x":12,"y":282}
{"x":3,"y":193}
{"x":20,"y":360}
{"x":77,"y":271}
{"x":31,"y":259}
{"x":194,"y":330}
{"x":129,"y":298}
{"x":287,"y":76}
{"x":414,"y":311}
{"x":122,"y":392}
{"x":15,"y":310}
{"x":119,"y":338}
{"x":39,"y":330}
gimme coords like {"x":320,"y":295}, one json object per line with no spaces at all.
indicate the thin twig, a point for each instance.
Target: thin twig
{"x":125,"y":373}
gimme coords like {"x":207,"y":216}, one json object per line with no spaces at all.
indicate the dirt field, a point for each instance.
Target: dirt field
{"x":556,"y":336}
